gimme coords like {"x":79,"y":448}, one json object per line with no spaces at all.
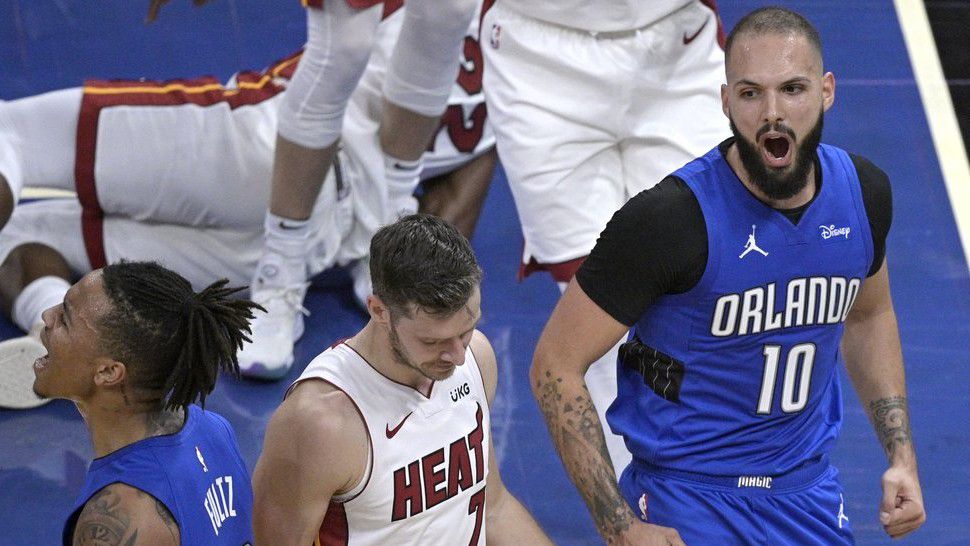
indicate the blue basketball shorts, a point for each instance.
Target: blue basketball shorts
{"x":804,"y":507}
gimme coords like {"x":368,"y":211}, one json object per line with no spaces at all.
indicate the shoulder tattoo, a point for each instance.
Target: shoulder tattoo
{"x":104,"y":521}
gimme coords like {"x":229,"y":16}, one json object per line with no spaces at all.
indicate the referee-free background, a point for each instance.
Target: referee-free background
{"x":50,"y":44}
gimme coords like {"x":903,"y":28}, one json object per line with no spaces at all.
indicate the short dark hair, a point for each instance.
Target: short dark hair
{"x":773,"y":20}
{"x":171,"y":339}
{"x":425,"y":261}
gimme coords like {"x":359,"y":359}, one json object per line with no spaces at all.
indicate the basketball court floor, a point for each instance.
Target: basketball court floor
{"x":50,"y":44}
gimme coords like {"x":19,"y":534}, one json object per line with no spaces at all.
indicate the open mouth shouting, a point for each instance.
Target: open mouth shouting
{"x":41,"y":362}
{"x":777,"y":149}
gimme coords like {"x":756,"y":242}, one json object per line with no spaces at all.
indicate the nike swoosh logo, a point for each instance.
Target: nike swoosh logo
{"x":391,"y":432}
{"x":692,"y":37}
{"x":284,"y":225}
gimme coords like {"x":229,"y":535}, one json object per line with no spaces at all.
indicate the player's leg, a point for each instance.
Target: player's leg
{"x":33,"y":278}
{"x":560,"y":151}
{"x":458,"y":196}
{"x":310,"y":119}
{"x":193,"y":153}
{"x":675,"y":114}
{"x":41,"y":249}
{"x":420,"y":77}
{"x":37,"y":144}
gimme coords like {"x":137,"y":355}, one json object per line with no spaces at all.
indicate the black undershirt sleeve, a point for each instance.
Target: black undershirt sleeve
{"x":878,"y":199}
{"x":655,"y":244}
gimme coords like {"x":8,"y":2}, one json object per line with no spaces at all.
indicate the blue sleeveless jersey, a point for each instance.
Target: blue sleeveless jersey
{"x":196,"y":473}
{"x":758,"y":335}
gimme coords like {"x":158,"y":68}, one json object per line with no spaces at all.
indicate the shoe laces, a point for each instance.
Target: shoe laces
{"x":291,"y":296}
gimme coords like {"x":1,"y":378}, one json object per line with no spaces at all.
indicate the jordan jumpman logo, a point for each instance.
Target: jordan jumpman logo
{"x":751,"y":245}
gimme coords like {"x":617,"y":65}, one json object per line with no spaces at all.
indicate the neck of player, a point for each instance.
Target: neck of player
{"x":114,"y":425}
{"x":374,"y":344}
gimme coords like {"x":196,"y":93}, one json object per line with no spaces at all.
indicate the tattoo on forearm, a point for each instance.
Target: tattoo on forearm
{"x":890,"y":417}
{"x":578,"y":435}
{"x":103,"y":522}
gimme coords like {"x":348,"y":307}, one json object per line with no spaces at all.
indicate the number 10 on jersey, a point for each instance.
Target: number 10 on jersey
{"x":796,"y":382}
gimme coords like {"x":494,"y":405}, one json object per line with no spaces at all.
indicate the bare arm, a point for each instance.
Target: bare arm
{"x":874,"y":360}
{"x":315,"y":447}
{"x":506,"y":520}
{"x":122,"y":515}
{"x":578,"y":333}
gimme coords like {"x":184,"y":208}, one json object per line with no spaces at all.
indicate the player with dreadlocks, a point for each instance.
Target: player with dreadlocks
{"x":134,"y":346}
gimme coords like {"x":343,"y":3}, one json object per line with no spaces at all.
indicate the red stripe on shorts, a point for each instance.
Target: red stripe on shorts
{"x":251,"y":88}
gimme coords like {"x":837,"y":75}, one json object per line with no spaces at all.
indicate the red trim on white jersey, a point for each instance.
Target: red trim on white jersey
{"x":251,"y":88}
{"x":428,"y":483}
{"x":362,"y":483}
{"x":412,"y":387}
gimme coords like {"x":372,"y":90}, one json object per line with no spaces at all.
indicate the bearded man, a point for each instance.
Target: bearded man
{"x":745,"y":279}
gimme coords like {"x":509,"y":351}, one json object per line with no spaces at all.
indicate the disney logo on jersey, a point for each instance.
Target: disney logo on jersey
{"x":831,"y":231}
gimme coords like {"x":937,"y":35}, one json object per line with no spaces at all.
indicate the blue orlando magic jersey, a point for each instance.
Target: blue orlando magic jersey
{"x":757,"y":337}
{"x":196,"y":473}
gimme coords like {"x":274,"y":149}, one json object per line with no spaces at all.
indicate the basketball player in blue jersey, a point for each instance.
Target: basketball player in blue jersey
{"x":133,"y":346}
{"x":747,"y":277}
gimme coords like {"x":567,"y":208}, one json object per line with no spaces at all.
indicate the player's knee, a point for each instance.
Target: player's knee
{"x":312,"y":110}
{"x":422,"y":70}
{"x":447,"y":13}
{"x":341,"y":36}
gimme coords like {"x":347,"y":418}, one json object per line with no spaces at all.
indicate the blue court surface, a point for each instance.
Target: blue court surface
{"x":44,"y":453}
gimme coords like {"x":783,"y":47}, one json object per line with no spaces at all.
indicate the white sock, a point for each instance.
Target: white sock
{"x":403,"y":178}
{"x":280,"y":228}
{"x":285,"y":247}
{"x":38,"y":296}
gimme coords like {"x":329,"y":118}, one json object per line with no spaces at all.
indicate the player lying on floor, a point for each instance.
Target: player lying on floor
{"x":178,"y":172}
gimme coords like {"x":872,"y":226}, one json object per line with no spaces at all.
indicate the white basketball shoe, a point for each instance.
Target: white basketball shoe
{"x":270,"y":354}
{"x":17,"y":358}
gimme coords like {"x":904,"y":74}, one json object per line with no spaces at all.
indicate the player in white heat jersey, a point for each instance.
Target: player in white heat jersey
{"x":593,"y":102}
{"x":385,"y":437}
{"x":178,"y":172}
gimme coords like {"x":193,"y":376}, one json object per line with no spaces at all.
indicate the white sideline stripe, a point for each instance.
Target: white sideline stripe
{"x":43,"y":193}
{"x":940,"y":115}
